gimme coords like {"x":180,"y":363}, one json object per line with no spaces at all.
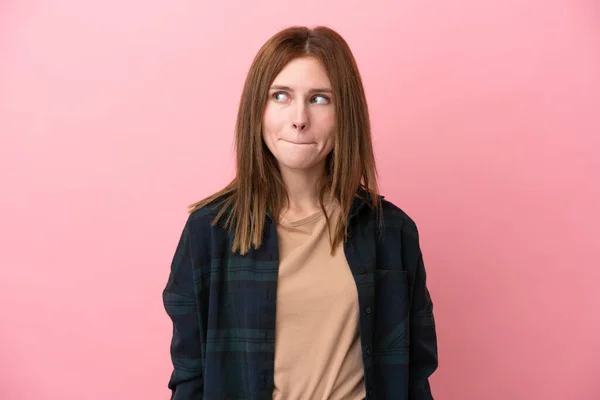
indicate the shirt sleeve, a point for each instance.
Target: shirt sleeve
{"x":179,"y":299}
{"x":423,"y":339}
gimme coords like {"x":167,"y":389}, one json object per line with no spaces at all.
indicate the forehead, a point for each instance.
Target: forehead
{"x":305,"y":72}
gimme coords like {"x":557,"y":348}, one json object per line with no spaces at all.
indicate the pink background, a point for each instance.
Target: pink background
{"x":114,"y":115}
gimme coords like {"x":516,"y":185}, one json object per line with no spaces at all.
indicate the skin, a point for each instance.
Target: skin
{"x":299,"y":130}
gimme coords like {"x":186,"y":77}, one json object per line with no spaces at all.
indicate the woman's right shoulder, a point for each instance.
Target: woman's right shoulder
{"x":205,"y":212}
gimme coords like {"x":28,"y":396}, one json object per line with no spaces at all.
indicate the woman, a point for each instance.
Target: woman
{"x":297,"y":280}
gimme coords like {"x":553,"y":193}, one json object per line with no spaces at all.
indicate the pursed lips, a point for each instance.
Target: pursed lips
{"x":297,"y":142}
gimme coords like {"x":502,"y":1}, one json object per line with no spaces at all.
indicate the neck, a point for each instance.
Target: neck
{"x":302,"y":188}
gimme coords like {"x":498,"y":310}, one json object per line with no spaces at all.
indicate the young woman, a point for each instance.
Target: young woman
{"x":298,"y":280}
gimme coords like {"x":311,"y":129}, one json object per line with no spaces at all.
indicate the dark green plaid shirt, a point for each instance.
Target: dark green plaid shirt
{"x":222,"y":306}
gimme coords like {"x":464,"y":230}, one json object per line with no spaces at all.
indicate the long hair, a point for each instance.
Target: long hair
{"x":258,"y":189}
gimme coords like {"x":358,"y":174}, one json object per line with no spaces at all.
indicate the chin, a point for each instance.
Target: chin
{"x":296,"y":165}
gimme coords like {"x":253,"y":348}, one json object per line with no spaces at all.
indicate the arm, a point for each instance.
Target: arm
{"x":423,"y":338}
{"x":179,"y":299}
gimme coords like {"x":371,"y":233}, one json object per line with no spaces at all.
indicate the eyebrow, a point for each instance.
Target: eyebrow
{"x":289,"y":89}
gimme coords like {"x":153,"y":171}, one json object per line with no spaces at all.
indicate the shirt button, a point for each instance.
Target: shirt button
{"x":370,"y":392}
{"x":361,"y":271}
{"x":368,"y":351}
{"x":368,"y":310}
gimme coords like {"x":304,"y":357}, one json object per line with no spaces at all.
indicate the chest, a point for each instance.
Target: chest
{"x":242,"y":292}
{"x":240,"y":298}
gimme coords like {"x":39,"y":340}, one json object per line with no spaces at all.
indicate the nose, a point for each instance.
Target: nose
{"x":300,"y":118}
{"x":299,"y":126}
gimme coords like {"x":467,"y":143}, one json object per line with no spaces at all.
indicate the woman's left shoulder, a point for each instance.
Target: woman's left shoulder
{"x":394,"y":216}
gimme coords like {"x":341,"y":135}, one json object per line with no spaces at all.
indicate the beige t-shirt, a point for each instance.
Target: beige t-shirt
{"x":317,"y":343}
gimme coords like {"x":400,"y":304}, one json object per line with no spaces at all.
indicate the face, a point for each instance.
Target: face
{"x":299,"y":118}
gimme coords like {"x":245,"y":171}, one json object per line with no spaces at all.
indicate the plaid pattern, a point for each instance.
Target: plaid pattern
{"x":222,"y":306}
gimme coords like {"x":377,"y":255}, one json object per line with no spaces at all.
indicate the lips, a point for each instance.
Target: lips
{"x":289,"y":141}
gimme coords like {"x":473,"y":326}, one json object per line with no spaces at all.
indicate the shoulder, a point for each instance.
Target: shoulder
{"x":204,"y":214}
{"x":394,"y":228}
{"x":203,"y":219}
{"x":398,"y":243}
{"x":389,"y":223}
{"x":205,"y":234}
{"x":394,"y":217}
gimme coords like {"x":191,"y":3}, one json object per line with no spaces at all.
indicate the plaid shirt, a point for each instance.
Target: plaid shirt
{"x":222,"y":306}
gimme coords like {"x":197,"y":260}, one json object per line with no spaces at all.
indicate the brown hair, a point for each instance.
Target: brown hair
{"x":258,"y":188}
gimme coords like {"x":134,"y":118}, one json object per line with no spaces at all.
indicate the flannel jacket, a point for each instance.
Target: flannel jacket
{"x":222,"y":308}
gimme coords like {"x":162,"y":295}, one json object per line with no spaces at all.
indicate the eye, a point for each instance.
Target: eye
{"x":279,"y":96}
{"x":320,"y":99}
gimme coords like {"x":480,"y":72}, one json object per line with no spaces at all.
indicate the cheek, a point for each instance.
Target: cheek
{"x":326,"y":123}
{"x":271,"y":121}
